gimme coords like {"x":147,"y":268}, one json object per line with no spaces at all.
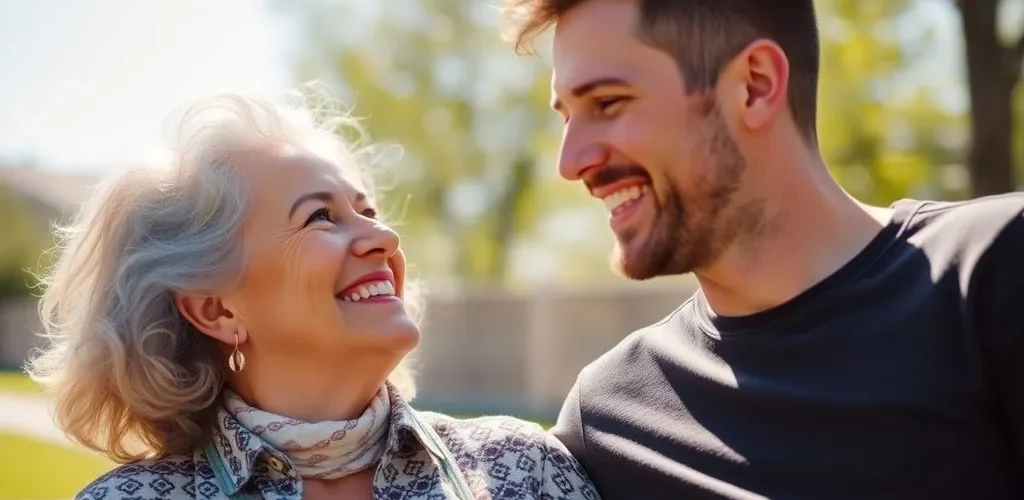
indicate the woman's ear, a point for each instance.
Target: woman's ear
{"x":210,"y":317}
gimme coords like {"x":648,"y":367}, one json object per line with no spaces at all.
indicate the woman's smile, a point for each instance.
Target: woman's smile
{"x":375,"y":287}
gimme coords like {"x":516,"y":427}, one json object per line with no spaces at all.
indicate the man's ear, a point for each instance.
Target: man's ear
{"x":210,"y":316}
{"x":757,"y":83}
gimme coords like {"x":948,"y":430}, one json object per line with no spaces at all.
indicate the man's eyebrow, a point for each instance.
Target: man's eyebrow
{"x":585,"y":88}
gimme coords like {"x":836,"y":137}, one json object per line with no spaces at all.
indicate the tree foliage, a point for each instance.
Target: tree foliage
{"x":25,"y":237}
{"x":884,"y":137}
{"x":432,"y":77}
{"x":476,"y":185}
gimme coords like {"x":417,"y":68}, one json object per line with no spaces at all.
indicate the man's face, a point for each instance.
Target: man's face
{"x":663,"y":161}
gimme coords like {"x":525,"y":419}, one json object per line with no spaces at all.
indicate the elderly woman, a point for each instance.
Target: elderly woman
{"x":234,"y":326}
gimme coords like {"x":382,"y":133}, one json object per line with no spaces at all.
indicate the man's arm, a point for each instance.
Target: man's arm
{"x":998,"y":305}
{"x":569,"y":428}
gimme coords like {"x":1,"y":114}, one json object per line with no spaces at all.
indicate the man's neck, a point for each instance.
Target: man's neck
{"x":812,"y":231}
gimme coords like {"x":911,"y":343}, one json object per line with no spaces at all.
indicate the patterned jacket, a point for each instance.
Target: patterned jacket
{"x":500,"y":457}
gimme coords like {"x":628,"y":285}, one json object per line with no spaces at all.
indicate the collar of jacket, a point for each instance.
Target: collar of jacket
{"x":239,"y":450}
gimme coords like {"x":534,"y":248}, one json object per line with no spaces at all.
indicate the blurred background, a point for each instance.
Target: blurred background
{"x":919,"y":98}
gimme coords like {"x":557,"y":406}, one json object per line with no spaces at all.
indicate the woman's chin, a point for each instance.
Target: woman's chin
{"x":383,"y":321}
{"x":403,"y":333}
{"x":394,"y":334}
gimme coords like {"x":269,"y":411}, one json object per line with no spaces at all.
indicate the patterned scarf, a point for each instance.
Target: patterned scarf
{"x":324,"y":450}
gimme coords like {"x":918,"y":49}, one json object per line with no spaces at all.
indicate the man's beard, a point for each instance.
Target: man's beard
{"x":687,"y":235}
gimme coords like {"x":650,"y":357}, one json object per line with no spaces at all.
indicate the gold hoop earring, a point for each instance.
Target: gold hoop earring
{"x":236,"y":362}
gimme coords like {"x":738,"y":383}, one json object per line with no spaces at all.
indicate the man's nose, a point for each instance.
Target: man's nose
{"x":579,"y":152}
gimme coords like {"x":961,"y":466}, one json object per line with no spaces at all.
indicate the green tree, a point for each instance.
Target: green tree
{"x":883,"y":134}
{"x":433,"y":77}
{"x":24,"y":239}
{"x":477,"y":180}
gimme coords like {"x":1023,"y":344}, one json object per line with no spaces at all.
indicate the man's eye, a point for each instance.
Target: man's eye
{"x":604,"y":104}
{"x":320,"y":214}
{"x":369,"y":213}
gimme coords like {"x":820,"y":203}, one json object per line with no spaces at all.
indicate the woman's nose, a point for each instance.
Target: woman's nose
{"x":376,"y":238}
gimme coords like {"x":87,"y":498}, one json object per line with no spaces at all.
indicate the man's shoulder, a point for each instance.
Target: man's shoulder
{"x":984,"y":217}
{"x":963,"y":235}
{"x":172,"y":478}
{"x":633,"y":351}
{"x":618,"y":388}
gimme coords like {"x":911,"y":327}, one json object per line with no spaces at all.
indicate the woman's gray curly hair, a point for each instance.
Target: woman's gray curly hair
{"x":131,"y":377}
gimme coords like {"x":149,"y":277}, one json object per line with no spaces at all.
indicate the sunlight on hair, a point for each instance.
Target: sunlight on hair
{"x":130,"y":377}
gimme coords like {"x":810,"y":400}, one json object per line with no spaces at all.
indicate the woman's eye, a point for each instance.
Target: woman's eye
{"x":320,"y":214}
{"x":370,"y":213}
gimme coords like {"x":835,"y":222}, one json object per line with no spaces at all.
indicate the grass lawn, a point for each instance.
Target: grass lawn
{"x":18,"y":382}
{"x":31,"y":469}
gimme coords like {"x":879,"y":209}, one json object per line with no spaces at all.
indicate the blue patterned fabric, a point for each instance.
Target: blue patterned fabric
{"x":501,"y":458}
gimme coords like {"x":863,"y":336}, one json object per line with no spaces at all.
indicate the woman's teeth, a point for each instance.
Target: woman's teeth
{"x":370,"y":290}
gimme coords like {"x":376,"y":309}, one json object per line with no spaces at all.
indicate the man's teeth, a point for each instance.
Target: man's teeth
{"x":370,"y":290}
{"x":620,"y":197}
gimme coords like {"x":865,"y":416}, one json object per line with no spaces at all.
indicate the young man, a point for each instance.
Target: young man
{"x":834,"y":349}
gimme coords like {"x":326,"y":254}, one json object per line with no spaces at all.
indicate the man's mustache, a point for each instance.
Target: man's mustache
{"x":614,"y":173}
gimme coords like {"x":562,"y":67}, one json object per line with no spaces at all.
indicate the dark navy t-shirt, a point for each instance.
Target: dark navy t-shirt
{"x":900,"y":376}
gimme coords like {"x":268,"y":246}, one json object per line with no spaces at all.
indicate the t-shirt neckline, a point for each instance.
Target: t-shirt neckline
{"x":903,"y":211}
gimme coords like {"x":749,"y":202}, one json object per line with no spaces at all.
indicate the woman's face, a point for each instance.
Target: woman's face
{"x":323,"y":277}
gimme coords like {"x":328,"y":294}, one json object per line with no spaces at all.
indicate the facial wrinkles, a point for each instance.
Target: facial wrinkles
{"x":262,"y":271}
{"x":261,"y":245}
{"x":397,"y":265}
{"x":275,"y":243}
{"x":296,"y":260}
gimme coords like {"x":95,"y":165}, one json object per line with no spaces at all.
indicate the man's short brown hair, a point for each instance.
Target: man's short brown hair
{"x":703,"y":36}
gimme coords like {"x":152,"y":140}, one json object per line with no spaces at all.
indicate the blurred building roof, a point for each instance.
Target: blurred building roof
{"x":62,"y":191}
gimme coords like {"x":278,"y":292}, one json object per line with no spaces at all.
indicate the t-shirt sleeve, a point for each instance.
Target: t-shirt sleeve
{"x":998,"y":300}
{"x":569,"y":427}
